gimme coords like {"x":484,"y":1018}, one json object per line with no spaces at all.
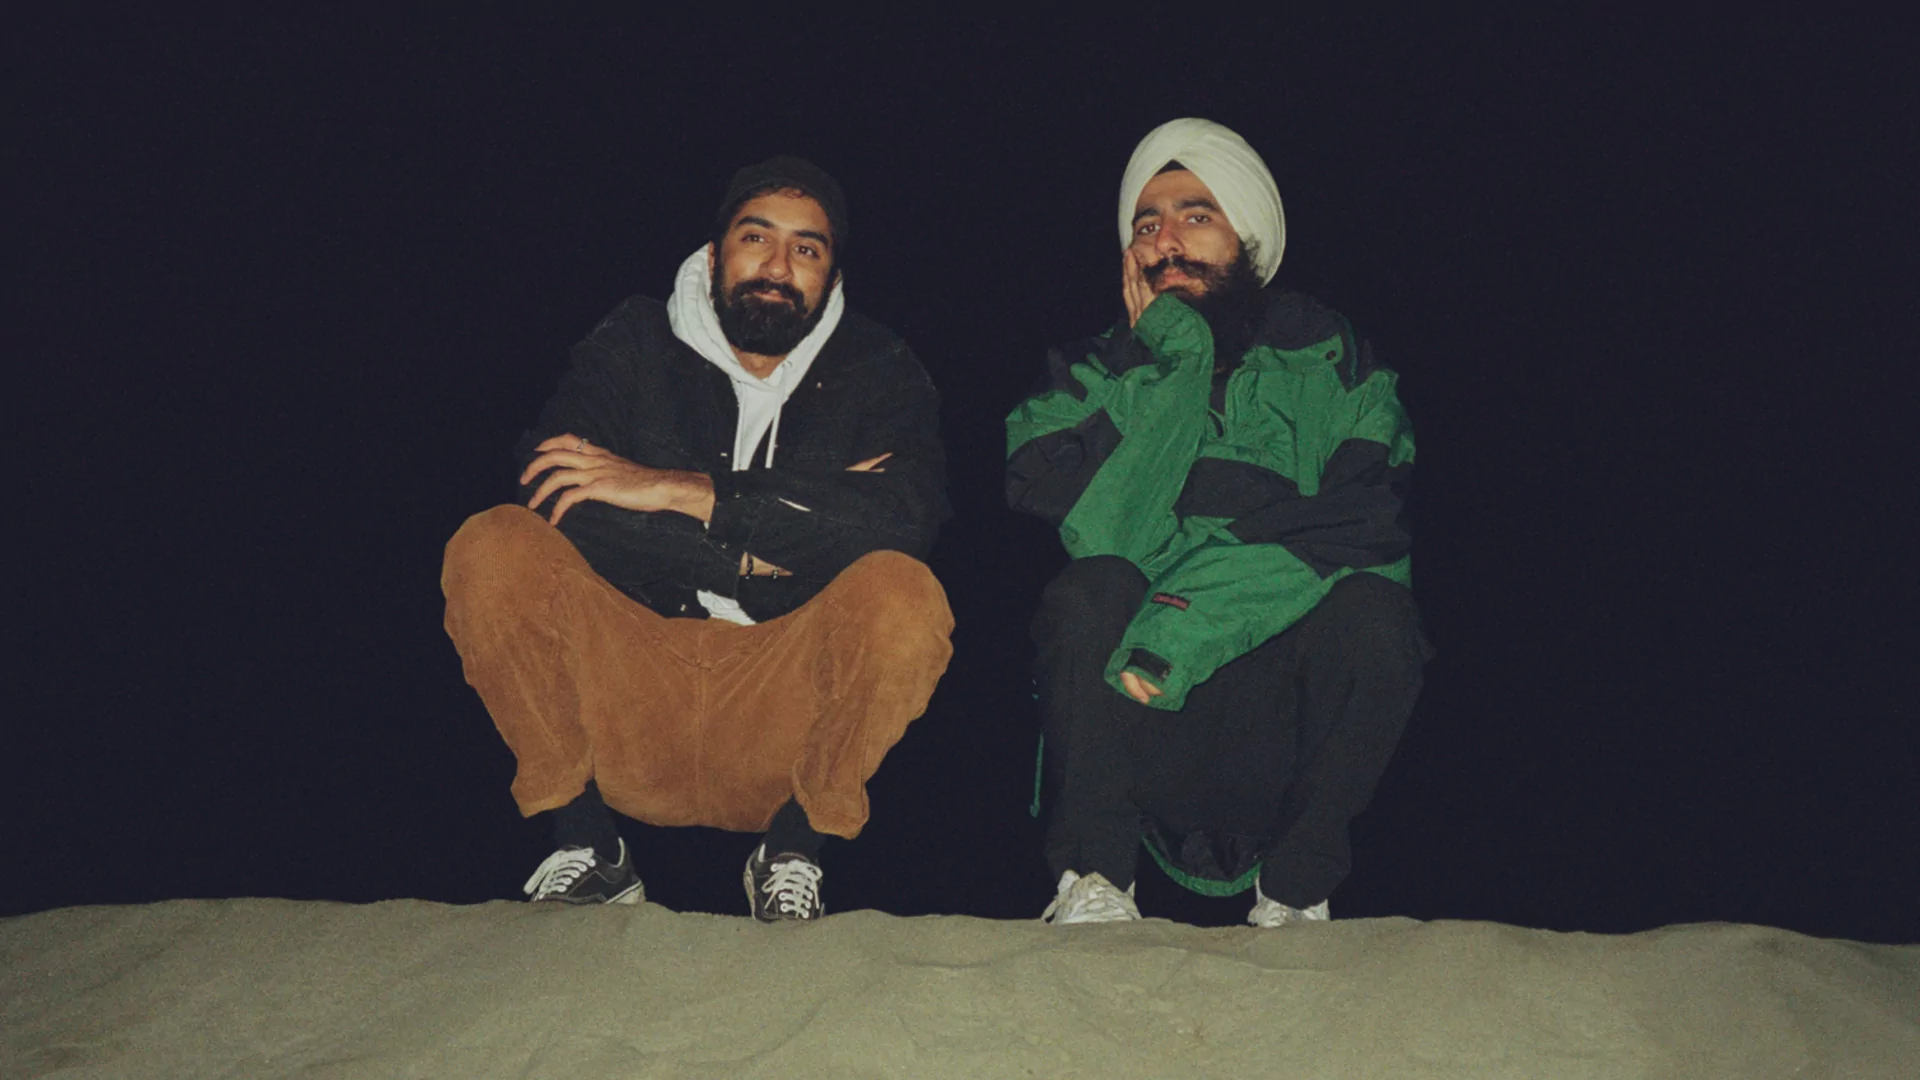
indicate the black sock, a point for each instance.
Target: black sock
{"x":586,"y":822}
{"x":792,"y":833}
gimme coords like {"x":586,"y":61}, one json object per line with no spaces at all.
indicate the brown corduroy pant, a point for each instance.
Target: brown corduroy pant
{"x":689,"y":721}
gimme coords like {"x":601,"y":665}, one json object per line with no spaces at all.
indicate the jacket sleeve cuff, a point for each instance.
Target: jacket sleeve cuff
{"x":1168,"y":675}
{"x":735,"y":516}
{"x":1171,"y":329}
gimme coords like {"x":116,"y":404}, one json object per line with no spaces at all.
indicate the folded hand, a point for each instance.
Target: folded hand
{"x":579,"y":470}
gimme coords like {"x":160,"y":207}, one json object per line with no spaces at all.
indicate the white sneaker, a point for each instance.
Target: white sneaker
{"x":1269,"y":913}
{"x":1089,"y":899}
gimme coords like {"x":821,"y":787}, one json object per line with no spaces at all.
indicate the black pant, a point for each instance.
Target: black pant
{"x":1284,"y":744}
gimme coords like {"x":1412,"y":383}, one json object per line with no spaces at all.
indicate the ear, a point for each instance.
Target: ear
{"x":710,"y":256}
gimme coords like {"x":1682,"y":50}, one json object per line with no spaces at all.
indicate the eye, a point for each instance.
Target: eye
{"x":1147,"y":229}
{"x":808,"y":250}
{"x":1200,"y":218}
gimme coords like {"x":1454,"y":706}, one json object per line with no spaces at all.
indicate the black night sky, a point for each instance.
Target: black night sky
{"x":282,"y":296}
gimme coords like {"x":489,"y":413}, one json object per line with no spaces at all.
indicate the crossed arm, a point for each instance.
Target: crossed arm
{"x":580,"y":471}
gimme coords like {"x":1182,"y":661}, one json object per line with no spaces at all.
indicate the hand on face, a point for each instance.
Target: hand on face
{"x":1133,"y":286}
{"x":580,"y":471}
{"x":1184,"y":277}
{"x":1182,"y":242}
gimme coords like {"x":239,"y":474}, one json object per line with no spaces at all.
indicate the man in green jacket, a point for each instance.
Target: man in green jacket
{"x":1228,"y":661}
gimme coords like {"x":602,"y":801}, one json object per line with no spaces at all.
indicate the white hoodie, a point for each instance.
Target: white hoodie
{"x":690,"y":313}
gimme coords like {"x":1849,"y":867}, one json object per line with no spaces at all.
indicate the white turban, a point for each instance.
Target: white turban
{"x":1231,"y":170}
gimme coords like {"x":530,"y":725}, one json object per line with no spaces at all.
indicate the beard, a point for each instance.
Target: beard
{"x":1226,"y":295}
{"x":761,"y":324}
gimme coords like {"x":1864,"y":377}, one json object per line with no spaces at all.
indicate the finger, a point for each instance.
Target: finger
{"x":557,"y":479}
{"x":1142,"y":690}
{"x":538,"y":465}
{"x":592,"y":457}
{"x":534,"y":468}
{"x":567,"y":499}
{"x":566,"y":440}
{"x":578,"y":449}
{"x":1133,"y":285}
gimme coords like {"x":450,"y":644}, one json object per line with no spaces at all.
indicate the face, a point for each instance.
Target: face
{"x":772,"y":272}
{"x":1182,"y":238}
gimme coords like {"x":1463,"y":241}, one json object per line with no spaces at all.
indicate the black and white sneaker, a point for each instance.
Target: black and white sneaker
{"x":580,"y":876}
{"x":784,"y":888}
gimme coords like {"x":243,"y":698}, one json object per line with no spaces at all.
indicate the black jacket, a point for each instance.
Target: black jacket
{"x":642,"y":393}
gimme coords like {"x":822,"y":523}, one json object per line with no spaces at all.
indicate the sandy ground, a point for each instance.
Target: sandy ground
{"x":265,"y":988}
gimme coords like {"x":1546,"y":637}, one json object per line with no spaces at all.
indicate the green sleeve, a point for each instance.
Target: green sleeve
{"x":1221,"y":597}
{"x":1160,"y":410}
{"x":1217,"y":603}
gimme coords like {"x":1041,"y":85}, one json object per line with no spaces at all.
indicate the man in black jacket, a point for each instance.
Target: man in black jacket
{"x":712,"y":608}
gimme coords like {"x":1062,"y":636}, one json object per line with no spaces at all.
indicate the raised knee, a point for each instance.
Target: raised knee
{"x":896,"y":593}
{"x":1375,"y":619}
{"x":490,"y":546}
{"x":1088,"y":585}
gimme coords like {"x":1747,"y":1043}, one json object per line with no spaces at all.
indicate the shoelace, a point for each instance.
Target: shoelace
{"x":559,"y":872}
{"x":793,"y":887}
{"x":1088,"y":897}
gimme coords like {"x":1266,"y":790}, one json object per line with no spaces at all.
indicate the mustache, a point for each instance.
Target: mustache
{"x":1193,"y":268}
{"x":758,"y":285}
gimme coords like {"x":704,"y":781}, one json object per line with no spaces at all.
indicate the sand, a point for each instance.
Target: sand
{"x":265,"y":988}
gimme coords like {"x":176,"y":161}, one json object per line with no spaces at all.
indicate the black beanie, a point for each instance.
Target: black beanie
{"x":788,"y":172}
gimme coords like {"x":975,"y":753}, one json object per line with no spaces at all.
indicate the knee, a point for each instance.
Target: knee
{"x":1091,"y":586}
{"x":1375,"y":622}
{"x":493,"y":547}
{"x":895,"y":596}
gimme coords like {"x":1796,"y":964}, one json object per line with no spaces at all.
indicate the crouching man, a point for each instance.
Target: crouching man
{"x":712,"y":607}
{"x":1228,"y":661}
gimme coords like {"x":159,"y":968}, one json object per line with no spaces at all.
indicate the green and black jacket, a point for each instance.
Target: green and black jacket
{"x":1243,"y":494}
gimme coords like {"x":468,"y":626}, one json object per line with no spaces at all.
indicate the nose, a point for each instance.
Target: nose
{"x":1167,"y":242}
{"x":779,"y":265}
